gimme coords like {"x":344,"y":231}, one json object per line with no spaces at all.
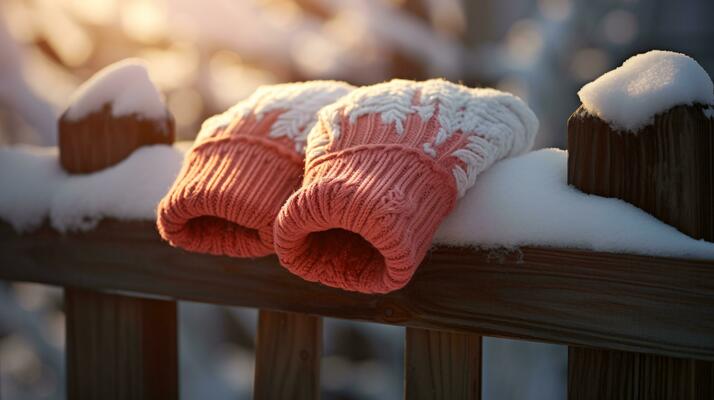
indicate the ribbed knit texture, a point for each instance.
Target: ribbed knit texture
{"x":244,"y":165}
{"x":382,"y":173}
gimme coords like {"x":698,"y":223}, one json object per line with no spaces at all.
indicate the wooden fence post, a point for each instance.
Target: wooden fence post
{"x":101,"y":139}
{"x":667,"y":169}
{"x":120,"y":347}
{"x":442,"y":365}
{"x":287,"y":356}
{"x":609,"y":374}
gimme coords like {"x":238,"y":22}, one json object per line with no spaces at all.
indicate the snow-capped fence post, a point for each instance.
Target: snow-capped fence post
{"x":120,"y":347}
{"x":287,"y":356}
{"x":113,"y":114}
{"x":665,"y":167}
{"x":101,"y":140}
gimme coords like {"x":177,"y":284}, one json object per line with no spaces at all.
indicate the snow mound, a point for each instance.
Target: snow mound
{"x":38,"y":188}
{"x":126,"y":191}
{"x":630,"y":96}
{"x":526,"y":201}
{"x":28,"y":175}
{"x":522,"y":201}
{"x":125,"y":85}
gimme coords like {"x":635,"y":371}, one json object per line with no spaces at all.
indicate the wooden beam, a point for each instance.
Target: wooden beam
{"x":633,"y":303}
{"x":120,"y":347}
{"x":618,"y":375}
{"x":442,"y":365}
{"x":287,"y":356}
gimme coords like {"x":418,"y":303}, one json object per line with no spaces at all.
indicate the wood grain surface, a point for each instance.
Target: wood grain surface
{"x":442,"y":365}
{"x":666,"y":169}
{"x":635,"y":303}
{"x":100,"y":139}
{"x":618,"y":375}
{"x":120,"y":348}
{"x":287,"y":356}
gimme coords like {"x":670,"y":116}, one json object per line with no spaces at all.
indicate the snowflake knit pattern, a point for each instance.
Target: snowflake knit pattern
{"x":384,"y":166}
{"x":243,"y":166}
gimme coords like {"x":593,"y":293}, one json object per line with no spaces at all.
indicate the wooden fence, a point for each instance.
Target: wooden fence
{"x":638,"y":327}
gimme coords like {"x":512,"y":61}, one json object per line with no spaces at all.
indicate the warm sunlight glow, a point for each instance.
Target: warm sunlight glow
{"x":524,"y":41}
{"x":98,"y":12}
{"x":144,"y":20}
{"x":174,"y":67}
{"x":71,"y":42}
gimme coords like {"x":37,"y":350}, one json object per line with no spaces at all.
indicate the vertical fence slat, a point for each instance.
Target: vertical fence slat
{"x":287,"y":356}
{"x":442,"y":365}
{"x":609,"y":374}
{"x":120,"y":347}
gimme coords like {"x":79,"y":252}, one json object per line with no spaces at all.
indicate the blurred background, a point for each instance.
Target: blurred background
{"x":206,"y":55}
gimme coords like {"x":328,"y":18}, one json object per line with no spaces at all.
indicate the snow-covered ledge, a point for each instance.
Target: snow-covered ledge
{"x":523,"y":201}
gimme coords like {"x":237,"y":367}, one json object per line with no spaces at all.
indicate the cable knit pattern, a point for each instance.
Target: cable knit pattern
{"x":384,"y":165}
{"x":243,"y":165}
{"x":496,"y":124}
{"x":298,"y":104}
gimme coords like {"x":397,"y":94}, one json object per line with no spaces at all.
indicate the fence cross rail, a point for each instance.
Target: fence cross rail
{"x":650,"y":305}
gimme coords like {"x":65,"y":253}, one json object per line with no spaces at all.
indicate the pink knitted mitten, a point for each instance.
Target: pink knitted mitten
{"x":243,"y":166}
{"x":384,"y":165}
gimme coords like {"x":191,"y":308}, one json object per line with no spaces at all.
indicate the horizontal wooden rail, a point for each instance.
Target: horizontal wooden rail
{"x":623,"y":302}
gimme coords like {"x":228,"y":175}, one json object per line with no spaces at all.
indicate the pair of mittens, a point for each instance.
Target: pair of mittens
{"x":383,"y":166}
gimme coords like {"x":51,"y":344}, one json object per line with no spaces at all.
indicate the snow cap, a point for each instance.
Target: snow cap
{"x":629,"y":96}
{"x":125,"y":85}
